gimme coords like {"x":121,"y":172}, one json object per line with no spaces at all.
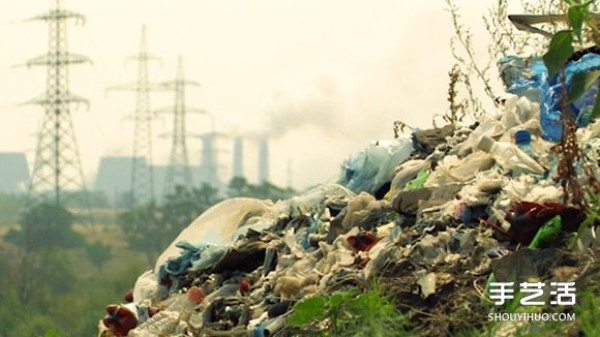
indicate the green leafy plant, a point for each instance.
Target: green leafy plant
{"x":547,"y":233}
{"x":559,"y":51}
{"x":562,"y":48}
{"x":588,"y":314}
{"x":349,"y":313}
{"x":50,"y":333}
{"x":583,"y":237}
{"x":308,"y":311}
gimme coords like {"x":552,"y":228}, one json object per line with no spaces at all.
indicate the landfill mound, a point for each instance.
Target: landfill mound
{"x":431,"y":219}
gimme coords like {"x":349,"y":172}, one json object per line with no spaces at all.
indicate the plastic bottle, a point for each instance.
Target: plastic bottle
{"x":523,"y":141}
{"x":509,"y":156}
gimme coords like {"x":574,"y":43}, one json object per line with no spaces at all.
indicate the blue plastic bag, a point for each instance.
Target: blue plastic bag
{"x":193,"y":257}
{"x":531,"y":80}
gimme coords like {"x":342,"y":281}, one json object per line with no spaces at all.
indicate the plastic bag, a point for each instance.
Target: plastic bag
{"x":533,"y":83}
{"x":369,"y":169}
{"x":219,"y":223}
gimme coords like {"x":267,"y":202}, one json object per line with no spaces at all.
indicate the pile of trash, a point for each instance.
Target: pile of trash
{"x":433,"y":216}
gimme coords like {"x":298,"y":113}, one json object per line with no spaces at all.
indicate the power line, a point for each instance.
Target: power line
{"x":178,"y":171}
{"x":57,"y":165}
{"x":142,"y":176}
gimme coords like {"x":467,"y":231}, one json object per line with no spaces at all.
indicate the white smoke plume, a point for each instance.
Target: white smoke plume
{"x":312,"y":101}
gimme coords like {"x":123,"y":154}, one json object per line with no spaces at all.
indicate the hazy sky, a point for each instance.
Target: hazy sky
{"x":327,"y":76}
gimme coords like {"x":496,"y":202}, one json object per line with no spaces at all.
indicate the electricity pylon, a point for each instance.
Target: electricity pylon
{"x":178,"y":171}
{"x":142,"y":176}
{"x":57,"y":166}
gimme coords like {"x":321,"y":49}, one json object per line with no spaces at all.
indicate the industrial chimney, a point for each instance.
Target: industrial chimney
{"x":208,"y":165}
{"x":238,"y":163}
{"x":263,"y":160}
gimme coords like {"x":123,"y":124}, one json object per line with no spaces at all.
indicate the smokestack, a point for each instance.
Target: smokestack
{"x":208,"y":165}
{"x":238,"y":164}
{"x":263,"y":160}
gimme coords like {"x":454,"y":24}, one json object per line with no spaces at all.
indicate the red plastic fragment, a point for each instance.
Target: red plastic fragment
{"x":195,"y":295}
{"x":526,"y":218}
{"x":364,"y":241}
{"x":120,"y":320}
{"x":244,"y":286}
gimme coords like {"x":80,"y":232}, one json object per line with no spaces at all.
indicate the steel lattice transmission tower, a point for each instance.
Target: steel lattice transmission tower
{"x":178,"y":171}
{"x":57,"y":165}
{"x":142,"y":176}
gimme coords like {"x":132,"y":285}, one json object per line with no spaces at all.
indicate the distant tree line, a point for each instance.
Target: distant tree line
{"x":54,"y":278}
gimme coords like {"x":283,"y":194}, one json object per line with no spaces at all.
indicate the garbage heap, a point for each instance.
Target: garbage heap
{"x":432,"y":216}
